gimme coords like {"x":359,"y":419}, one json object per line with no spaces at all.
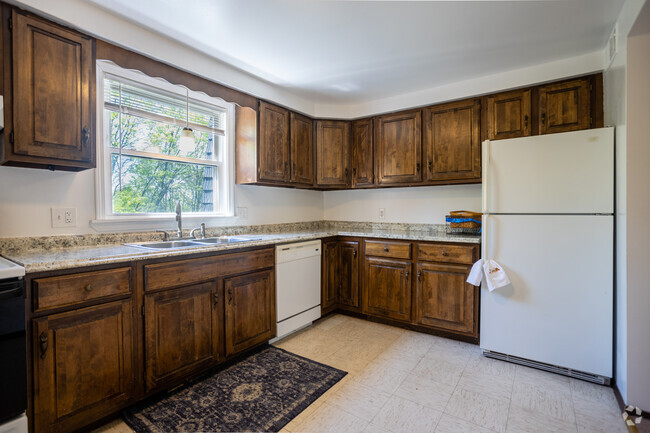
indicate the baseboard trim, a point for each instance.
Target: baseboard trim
{"x":621,"y":403}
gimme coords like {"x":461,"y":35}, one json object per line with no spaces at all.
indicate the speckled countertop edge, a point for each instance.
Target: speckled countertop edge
{"x":72,"y":255}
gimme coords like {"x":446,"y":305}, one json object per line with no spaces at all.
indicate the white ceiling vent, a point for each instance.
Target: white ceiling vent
{"x":612,"y":45}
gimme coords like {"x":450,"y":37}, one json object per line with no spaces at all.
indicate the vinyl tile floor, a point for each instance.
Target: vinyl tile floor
{"x":401,"y":381}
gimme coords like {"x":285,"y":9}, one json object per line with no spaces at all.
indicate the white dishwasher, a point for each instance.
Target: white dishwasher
{"x":297,"y":288}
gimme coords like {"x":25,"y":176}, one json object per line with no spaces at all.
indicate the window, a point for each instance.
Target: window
{"x":144,"y":171}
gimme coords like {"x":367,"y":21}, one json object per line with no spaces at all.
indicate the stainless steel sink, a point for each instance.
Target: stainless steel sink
{"x":165,"y":245}
{"x":222,"y":240}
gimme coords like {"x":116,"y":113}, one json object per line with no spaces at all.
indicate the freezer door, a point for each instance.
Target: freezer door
{"x":564,"y":173}
{"x":559,"y":307}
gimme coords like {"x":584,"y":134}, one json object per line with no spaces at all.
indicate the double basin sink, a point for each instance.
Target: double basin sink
{"x":193,"y":243}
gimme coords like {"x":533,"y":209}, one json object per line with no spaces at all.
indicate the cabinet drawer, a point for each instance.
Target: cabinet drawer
{"x":66,"y":290}
{"x":396,"y":250}
{"x":447,"y":253}
{"x":172,"y":274}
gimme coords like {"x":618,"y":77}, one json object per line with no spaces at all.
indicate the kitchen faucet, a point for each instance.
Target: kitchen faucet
{"x":179,"y":232}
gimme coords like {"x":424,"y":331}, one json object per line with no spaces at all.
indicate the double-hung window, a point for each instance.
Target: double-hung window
{"x":145,"y":169}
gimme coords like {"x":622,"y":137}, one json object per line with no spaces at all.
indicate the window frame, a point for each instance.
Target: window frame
{"x":103,"y":181}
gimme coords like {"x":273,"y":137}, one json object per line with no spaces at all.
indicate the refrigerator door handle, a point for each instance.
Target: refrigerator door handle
{"x":486,"y":175}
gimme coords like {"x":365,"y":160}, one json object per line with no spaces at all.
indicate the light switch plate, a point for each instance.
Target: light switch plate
{"x":64,"y":217}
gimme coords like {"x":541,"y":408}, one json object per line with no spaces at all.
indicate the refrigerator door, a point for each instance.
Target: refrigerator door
{"x":564,"y":173}
{"x":559,"y":307}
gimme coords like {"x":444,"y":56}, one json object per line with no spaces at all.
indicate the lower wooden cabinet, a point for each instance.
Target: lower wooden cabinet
{"x":250,"y":310}
{"x":181,"y":332}
{"x":388,"y":288}
{"x":340,"y":276}
{"x":330,"y":276}
{"x":83,"y":365}
{"x":349,"y":273}
{"x":443,"y":298}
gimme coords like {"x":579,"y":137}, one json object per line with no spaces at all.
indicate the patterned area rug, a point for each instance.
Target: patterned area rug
{"x":262,"y":393}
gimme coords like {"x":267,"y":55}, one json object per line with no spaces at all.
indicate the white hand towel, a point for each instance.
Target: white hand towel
{"x":495,"y":275}
{"x":476,"y":274}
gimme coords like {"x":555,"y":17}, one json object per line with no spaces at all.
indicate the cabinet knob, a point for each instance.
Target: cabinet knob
{"x":386,"y":249}
{"x":85,"y":135}
{"x":526,"y":121}
{"x":543,"y":119}
{"x":215,"y":298}
{"x":430,"y":165}
{"x":354,"y":253}
{"x":88,"y":287}
{"x":406,"y":274}
{"x":419,"y":275}
{"x":354,"y":171}
{"x":43,"y":340}
{"x":417,"y":167}
{"x":445,"y":253}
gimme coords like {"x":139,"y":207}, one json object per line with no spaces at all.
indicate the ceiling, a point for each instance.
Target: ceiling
{"x":356,"y":51}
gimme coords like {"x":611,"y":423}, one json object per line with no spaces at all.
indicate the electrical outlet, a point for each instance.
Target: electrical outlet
{"x":242,"y":213}
{"x":64,"y":217}
{"x":382,"y":213}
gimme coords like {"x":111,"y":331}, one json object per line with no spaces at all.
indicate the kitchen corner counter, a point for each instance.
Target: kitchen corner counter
{"x":43,"y":254}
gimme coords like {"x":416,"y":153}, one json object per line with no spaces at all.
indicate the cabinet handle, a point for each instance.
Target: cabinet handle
{"x":526,"y":121}
{"x":354,"y":172}
{"x":85,"y":135}
{"x":215,"y":298}
{"x":445,"y":254}
{"x":406,"y":274}
{"x":419,"y":275}
{"x":230,"y":296}
{"x":430,"y":165}
{"x":43,"y":340}
{"x":347,"y":174}
{"x":386,"y":249}
{"x":354,"y":253}
{"x":88,"y":287}
{"x":417,"y":167}
{"x":543,"y":119}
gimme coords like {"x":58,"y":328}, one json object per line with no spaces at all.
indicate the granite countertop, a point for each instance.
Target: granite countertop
{"x":47,"y":254}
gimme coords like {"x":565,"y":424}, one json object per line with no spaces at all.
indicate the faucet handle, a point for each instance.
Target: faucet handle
{"x":202,"y":230}
{"x":165,"y":234}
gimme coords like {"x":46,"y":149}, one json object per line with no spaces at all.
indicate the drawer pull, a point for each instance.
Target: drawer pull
{"x":230,"y":296}
{"x":88,"y":287}
{"x":419,"y":275}
{"x":386,"y":249}
{"x":444,"y":253}
{"x":43,"y":339}
{"x":216,"y":298}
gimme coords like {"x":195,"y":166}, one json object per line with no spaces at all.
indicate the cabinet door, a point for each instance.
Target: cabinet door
{"x":180,"y":332}
{"x":332,"y":153}
{"x":302,"y":150}
{"x":330,"y":275}
{"x":250,"y":310}
{"x":274,"y":143}
{"x":53,"y":100}
{"x":362,"y":154}
{"x":453,"y":143}
{"x":445,"y":300}
{"x":564,"y":107}
{"x":398,"y":144}
{"x":83,"y":365}
{"x":509,"y":115}
{"x":349,"y":273}
{"x":388,"y":289}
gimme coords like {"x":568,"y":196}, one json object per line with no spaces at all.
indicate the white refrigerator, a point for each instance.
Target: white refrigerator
{"x":548,"y":205}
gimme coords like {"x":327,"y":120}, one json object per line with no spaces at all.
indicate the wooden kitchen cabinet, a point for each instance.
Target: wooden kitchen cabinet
{"x":565,"y":106}
{"x":83,"y":365}
{"x":249,"y":310}
{"x":274,"y":143}
{"x":349,"y":273}
{"x":362,"y":154}
{"x":443,"y":298}
{"x":181,"y":332}
{"x":332,"y":153}
{"x":302,"y":150}
{"x":49,"y":96}
{"x":509,"y":115}
{"x":330,"y":276}
{"x":388,"y":288}
{"x":453,"y":141}
{"x":398,"y":148}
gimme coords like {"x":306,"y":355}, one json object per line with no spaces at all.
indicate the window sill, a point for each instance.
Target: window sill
{"x":143,"y":224}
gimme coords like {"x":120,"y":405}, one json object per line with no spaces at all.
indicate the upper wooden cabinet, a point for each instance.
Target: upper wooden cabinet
{"x":332,"y":153}
{"x":50,"y":119}
{"x":274,"y":144}
{"x":398,"y":148}
{"x":302,"y":150}
{"x":362,"y":154}
{"x":509,"y":115}
{"x":565,"y":106}
{"x":453,"y":141}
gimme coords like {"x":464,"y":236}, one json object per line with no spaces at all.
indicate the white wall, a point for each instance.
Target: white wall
{"x":419,"y":205}
{"x":638,"y":209}
{"x":27,"y":195}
